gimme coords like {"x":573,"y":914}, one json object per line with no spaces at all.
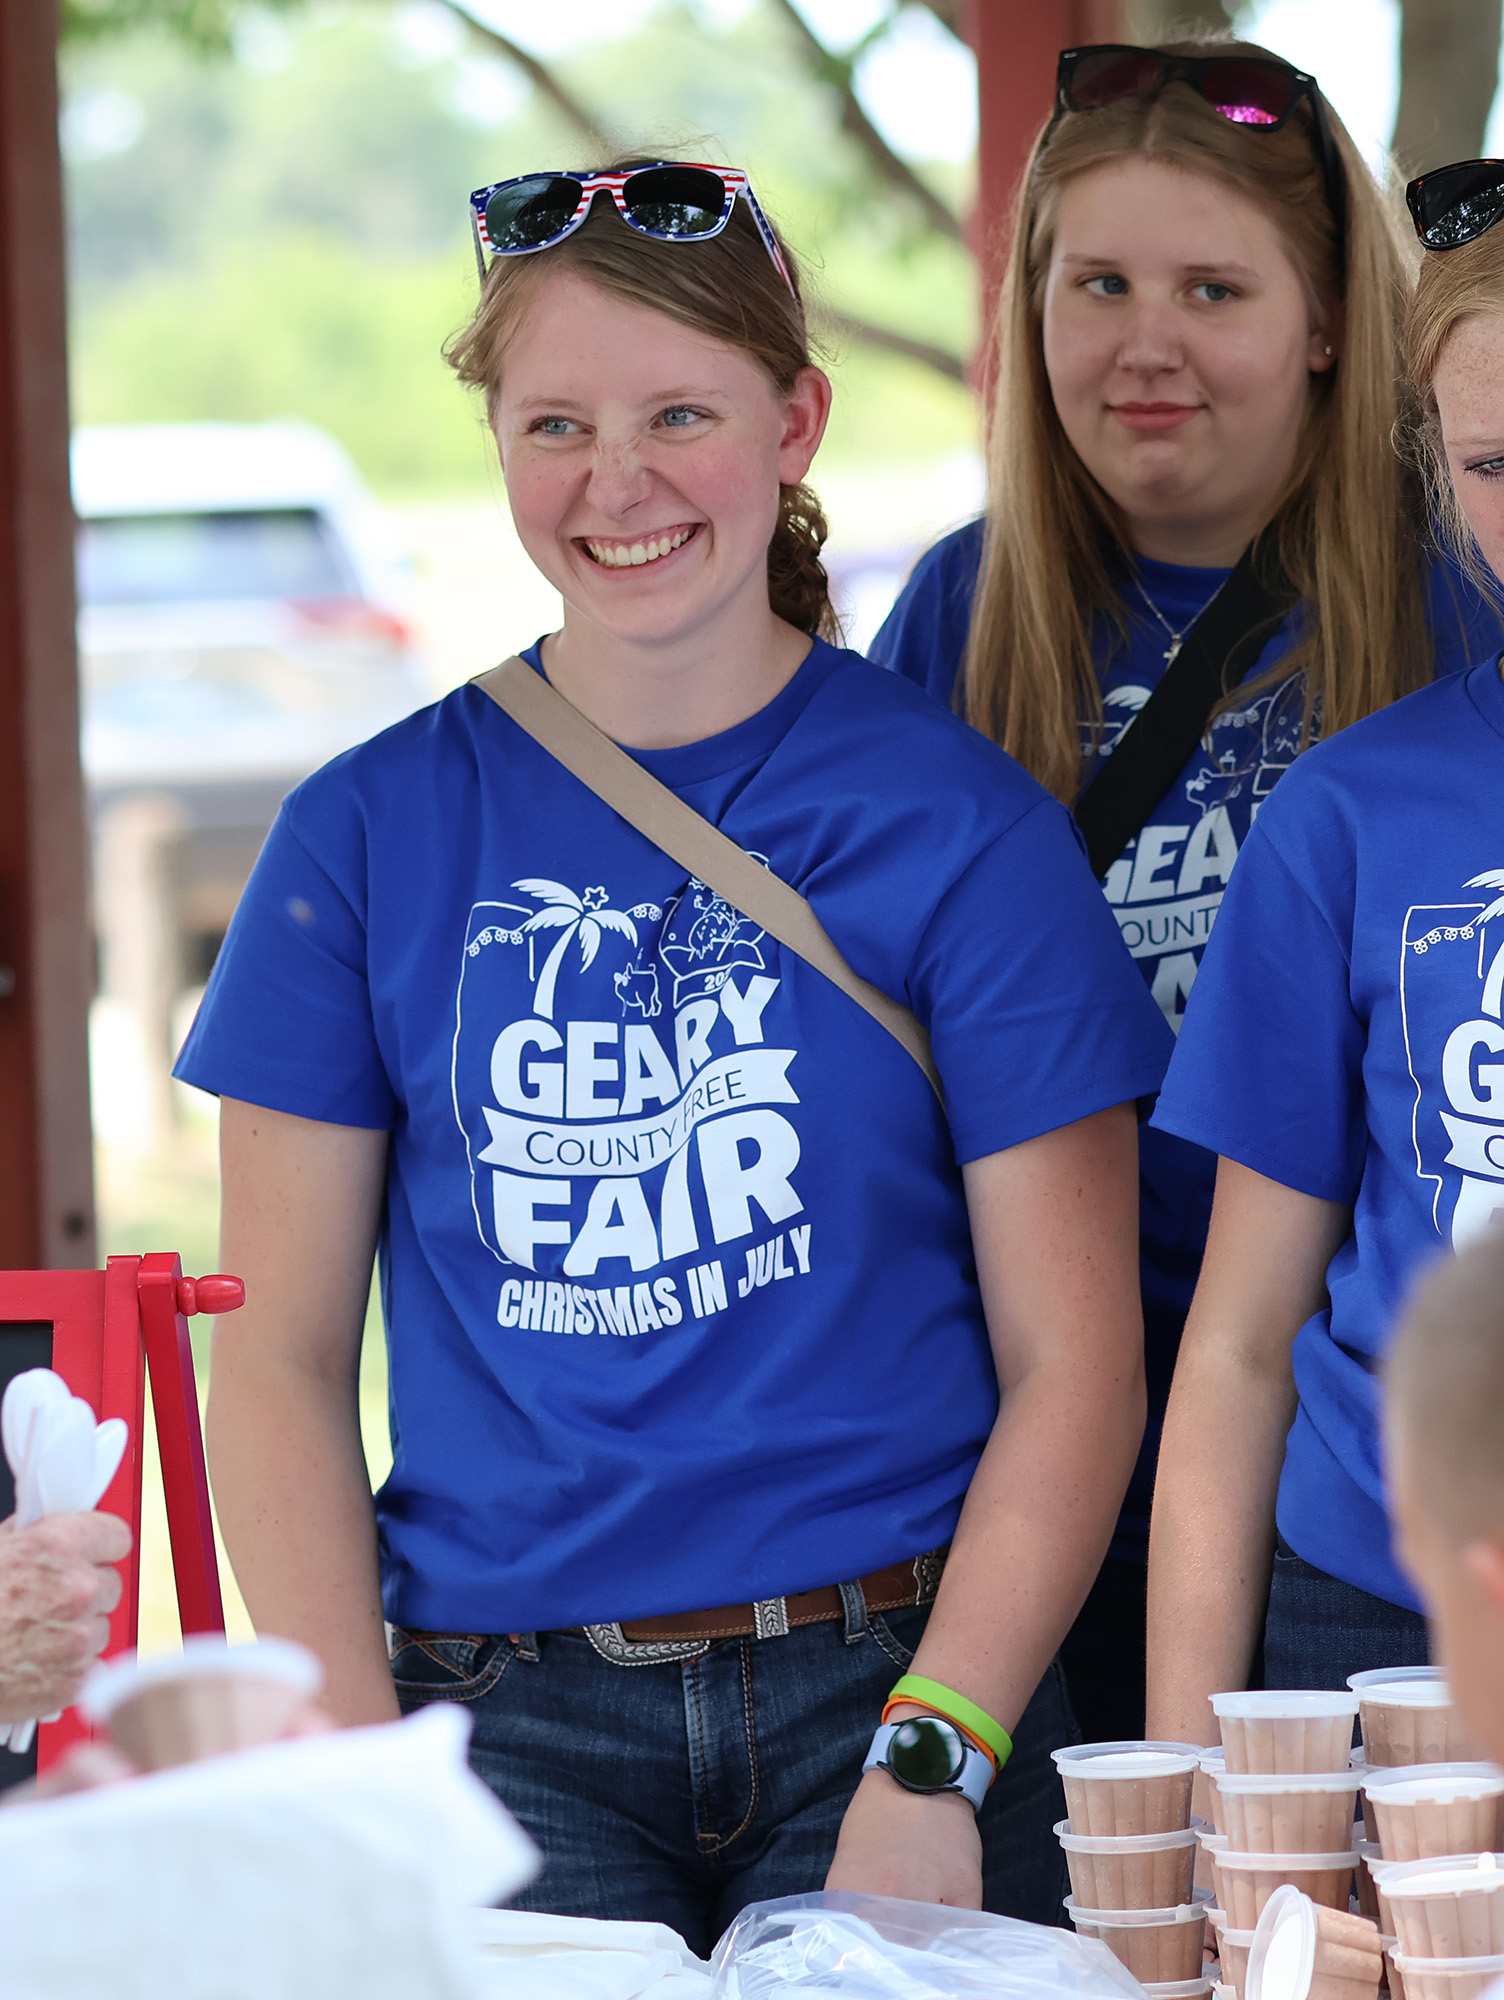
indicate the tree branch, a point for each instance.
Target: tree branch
{"x":950,"y":14}
{"x":835,"y":72}
{"x":951,"y":366}
{"x":543,"y":80}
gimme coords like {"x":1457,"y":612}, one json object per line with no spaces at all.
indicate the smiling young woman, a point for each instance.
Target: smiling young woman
{"x":1197,"y":351}
{"x":732,"y":1374}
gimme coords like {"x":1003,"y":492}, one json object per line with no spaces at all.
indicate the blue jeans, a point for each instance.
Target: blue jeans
{"x":1319,"y":1629}
{"x":681,"y":1792}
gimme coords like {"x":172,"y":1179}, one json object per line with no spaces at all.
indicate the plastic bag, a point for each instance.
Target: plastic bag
{"x":878,"y":1948}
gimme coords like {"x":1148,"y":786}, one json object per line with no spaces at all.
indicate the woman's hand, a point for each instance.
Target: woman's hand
{"x":896,"y":1843}
{"x":58,"y":1585}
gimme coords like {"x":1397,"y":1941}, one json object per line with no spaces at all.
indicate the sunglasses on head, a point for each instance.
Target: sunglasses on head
{"x":1257,"y":91}
{"x":670,"y":200}
{"x":1456,"y":204}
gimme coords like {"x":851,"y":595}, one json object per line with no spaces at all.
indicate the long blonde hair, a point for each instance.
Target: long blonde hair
{"x":1344,"y":526}
{"x":1453,"y":286}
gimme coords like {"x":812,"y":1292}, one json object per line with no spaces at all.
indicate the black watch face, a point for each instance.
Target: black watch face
{"x":926,"y":1754}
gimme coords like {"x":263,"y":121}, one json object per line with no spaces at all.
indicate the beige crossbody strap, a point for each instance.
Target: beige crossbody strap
{"x":682,"y":833}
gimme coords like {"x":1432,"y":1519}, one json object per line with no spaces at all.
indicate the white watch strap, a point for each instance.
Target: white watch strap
{"x":976,"y":1769}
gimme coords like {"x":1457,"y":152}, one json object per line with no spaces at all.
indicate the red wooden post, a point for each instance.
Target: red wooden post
{"x":123,"y":1394}
{"x":185,"y":1481}
{"x":46,"y":957}
{"x":1016,"y":43}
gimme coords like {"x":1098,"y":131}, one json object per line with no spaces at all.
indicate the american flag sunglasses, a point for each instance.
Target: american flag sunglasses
{"x":672,"y":201}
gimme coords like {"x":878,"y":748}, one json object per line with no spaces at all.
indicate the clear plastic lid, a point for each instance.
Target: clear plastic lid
{"x":1287,"y":1864}
{"x":1231,"y":1783}
{"x":1449,"y":1875}
{"x":1402,"y":1960}
{"x":1182,"y":1913}
{"x":1122,"y":1843}
{"x":1126,"y":1760}
{"x":1441,"y":1783}
{"x":1284,"y":1704}
{"x":204,"y":1656}
{"x":1179,"y":1989}
{"x":1393,"y":1676}
{"x":1282,"y":1957}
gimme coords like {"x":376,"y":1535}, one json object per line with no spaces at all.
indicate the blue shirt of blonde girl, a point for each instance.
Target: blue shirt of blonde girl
{"x":1167,"y":887}
{"x":1346,"y":1038}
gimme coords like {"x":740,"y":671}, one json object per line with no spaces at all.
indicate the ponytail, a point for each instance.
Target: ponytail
{"x":798,"y":588}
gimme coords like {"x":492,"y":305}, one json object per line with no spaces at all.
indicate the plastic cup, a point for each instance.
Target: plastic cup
{"x":206,"y":1701}
{"x":1412,"y":1722}
{"x":1115,"y":1789}
{"x":1367,"y":1893}
{"x":1249,"y":1880}
{"x":1286,"y":1730}
{"x":1304,"y":1951}
{"x":1387,"y":1676}
{"x":1180,"y":1989}
{"x":1451,"y":1907}
{"x":1299,"y":1813}
{"x":1213,"y":1764}
{"x":1424,"y":1810}
{"x":1155,"y":1945}
{"x":1213,"y":1847}
{"x":1141,"y":1871}
{"x":1442,"y":1978}
{"x":1395,"y":1977}
{"x":1233,"y":1947}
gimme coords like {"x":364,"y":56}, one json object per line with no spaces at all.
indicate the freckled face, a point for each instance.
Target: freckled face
{"x":1469,"y":390}
{"x":1179,"y":344}
{"x":643,"y":460}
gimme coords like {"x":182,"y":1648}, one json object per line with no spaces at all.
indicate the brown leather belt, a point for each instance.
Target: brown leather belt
{"x":891,"y":1589}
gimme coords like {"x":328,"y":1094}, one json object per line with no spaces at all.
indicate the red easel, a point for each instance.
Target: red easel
{"x":108,"y":1328}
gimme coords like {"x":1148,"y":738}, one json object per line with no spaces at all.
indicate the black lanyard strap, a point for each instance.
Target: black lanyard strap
{"x":1153,"y":750}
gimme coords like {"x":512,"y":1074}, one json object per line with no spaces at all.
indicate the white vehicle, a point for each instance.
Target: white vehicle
{"x":239,"y":604}
{"x":240,"y":623}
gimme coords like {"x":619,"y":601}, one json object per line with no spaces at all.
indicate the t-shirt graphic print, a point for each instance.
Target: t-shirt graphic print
{"x":1451,"y":966}
{"x":621,"y":1109}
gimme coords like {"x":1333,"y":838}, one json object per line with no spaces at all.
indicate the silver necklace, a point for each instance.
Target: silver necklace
{"x":1177,"y":639}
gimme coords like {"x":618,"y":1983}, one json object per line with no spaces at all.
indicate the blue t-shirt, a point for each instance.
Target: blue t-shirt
{"x":1345,"y":1039}
{"x":680,"y":1298}
{"x":1166,"y":889}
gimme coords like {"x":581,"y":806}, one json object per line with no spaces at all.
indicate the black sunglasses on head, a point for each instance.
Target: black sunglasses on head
{"x":1456,"y":204}
{"x":1258,"y":91}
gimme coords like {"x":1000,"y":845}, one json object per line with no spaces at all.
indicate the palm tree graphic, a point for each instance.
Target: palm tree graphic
{"x":570,"y":915}
{"x":1493,"y":985}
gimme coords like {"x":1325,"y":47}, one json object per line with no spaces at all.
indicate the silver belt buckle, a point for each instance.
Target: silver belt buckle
{"x":613,"y":1644}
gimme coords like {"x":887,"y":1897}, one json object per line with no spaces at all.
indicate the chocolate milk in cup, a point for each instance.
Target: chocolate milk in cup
{"x":1249,"y":1880}
{"x":1452,"y":1907}
{"x":1286,"y":1730}
{"x":207,"y":1701}
{"x":1233,"y":1947}
{"x":1155,"y":1945}
{"x":1304,"y":1951}
{"x":1427,"y":1810}
{"x":1146,"y":1871}
{"x":1298,"y":1813}
{"x":1412,"y":1722}
{"x":1113,"y":1789}
{"x":1441,"y":1978}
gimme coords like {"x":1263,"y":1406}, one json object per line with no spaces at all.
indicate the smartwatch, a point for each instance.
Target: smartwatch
{"x":928,"y":1754}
